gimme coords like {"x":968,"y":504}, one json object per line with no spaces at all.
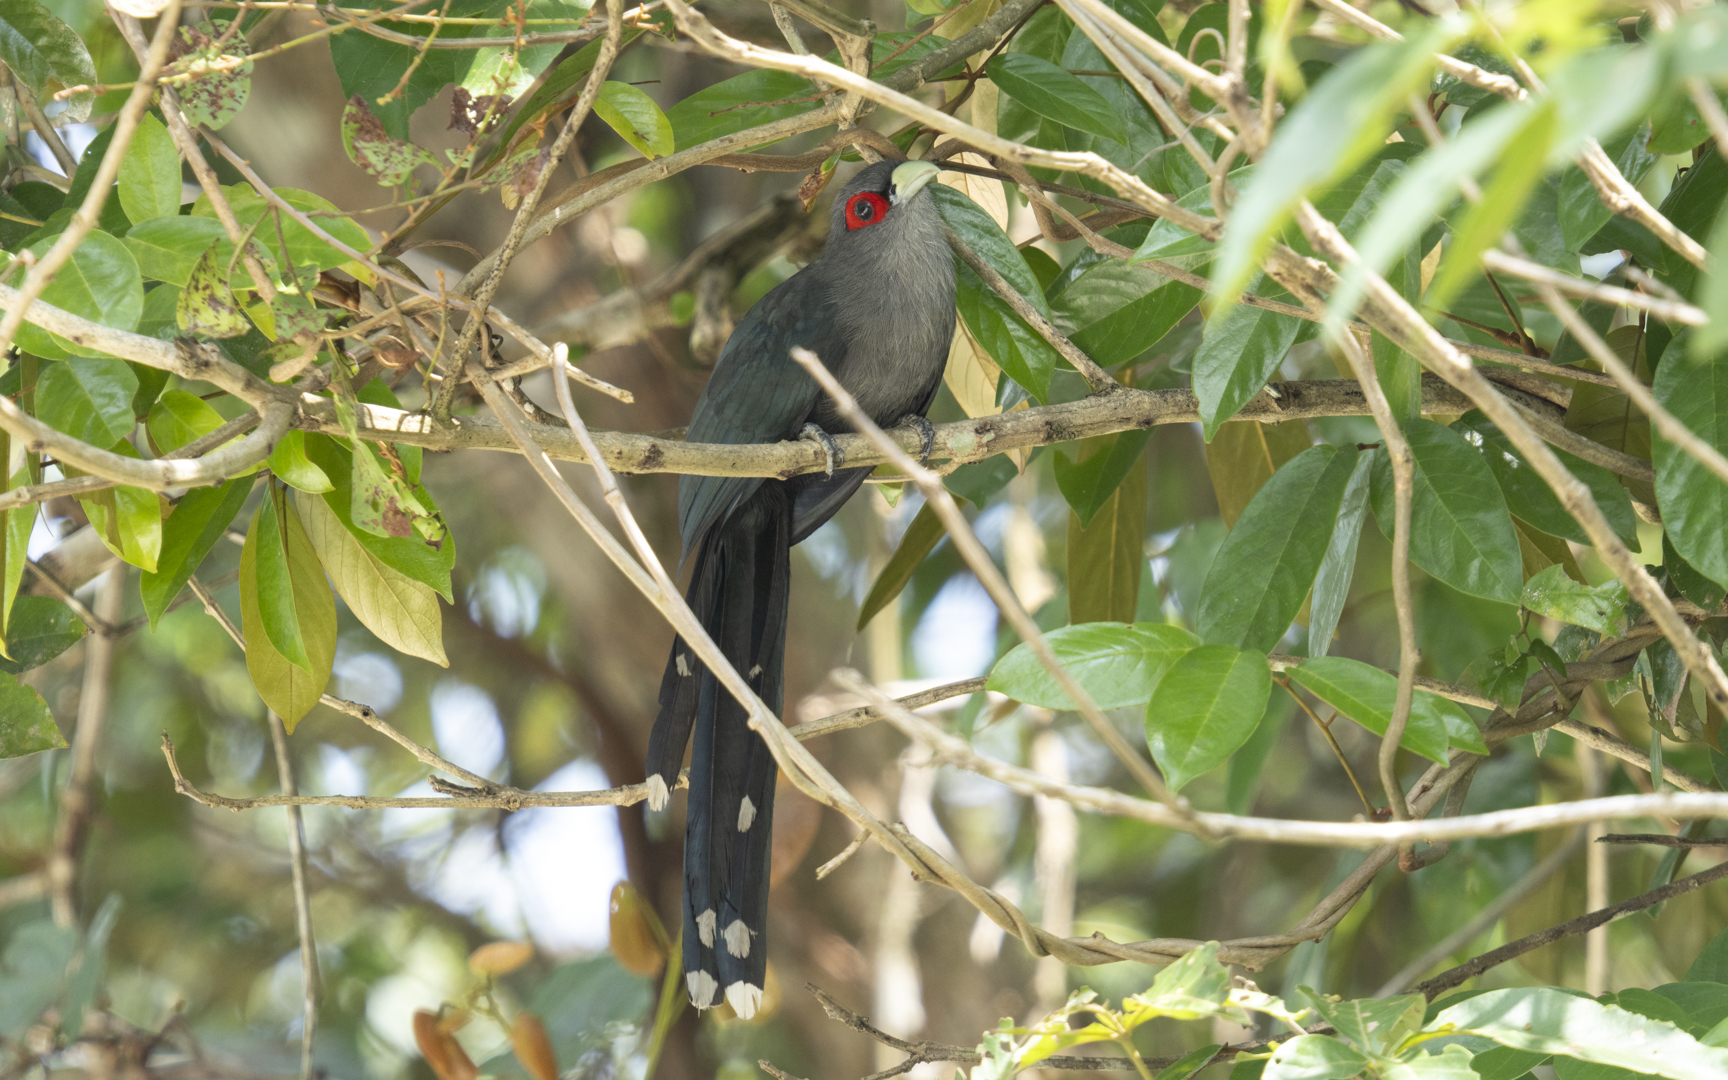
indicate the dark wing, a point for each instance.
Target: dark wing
{"x":758,"y":393}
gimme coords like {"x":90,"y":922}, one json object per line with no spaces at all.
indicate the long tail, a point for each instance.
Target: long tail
{"x":739,"y":591}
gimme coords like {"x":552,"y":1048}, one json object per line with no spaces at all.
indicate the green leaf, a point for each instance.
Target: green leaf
{"x":1204,"y":709}
{"x":100,"y":282}
{"x":1088,"y":484}
{"x":1530,"y":498}
{"x":291,"y":465}
{"x":1552,"y":593}
{"x":1711,"y":964}
{"x":1314,"y":1057}
{"x":1519,"y":169}
{"x":974,"y":225}
{"x":919,"y":540}
{"x":1195,"y":987}
{"x":88,"y":399}
{"x":128,"y":520}
{"x":1116,"y":664}
{"x":401,"y":612}
{"x":1582,"y":211}
{"x":150,"y":172}
{"x":1366,"y":695}
{"x":1549,"y":1020}
{"x":1693,"y":501}
{"x":1460,"y":530}
{"x":420,"y":560}
{"x":1114,"y":311}
{"x":1017,"y":349}
{"x":1505,"y":1063}
{"x":387,"y":159}
{"x":167,"y":248}
{"x":1268,"y":561}
{"x":26,"y":725}
{"x":1338,"y":566}
{"x":283,"y":590}
{"x":1052,"y":92}
{"x":1107,"y":557}
{"x":1190,"y":1063}
{"x":1238,"y":353}
{"x":743,"y":101}
{"x":635,"y":117}
{"x":199,"y":519}
{"x":207,"y":306}
{"x":303,"y":247}
{"x":20,"y":522}
{"x":1343,"y":120}
{"x":178,"y":418}
{"x":40,"y":49}
{"x":1372,"y":1025}
{"x":373,"y":68}
{"x":1243,"y":456}
{"x":1166,"y":240}
{"x":218,"y":89}
{"x":39,"y":629}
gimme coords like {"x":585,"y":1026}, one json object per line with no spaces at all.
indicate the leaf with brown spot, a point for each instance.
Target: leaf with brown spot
{"x":206,"y":305}
{"x":381,"y":154}
{"x":216,"y":92}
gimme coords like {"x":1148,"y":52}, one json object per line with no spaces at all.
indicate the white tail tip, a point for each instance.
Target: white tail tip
{"x":659,"y":795}
{"x":744,"y":999}
{"x":738,"y":939}
{"x":746,"y":814}
{"x":702,"y":987}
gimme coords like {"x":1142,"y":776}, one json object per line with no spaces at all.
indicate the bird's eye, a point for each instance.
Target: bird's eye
{"x":865,"y":208}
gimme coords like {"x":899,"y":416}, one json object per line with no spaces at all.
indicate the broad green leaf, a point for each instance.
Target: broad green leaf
{"x":1711,"y":963}
{"x":20,"y":522}
{"x":1314,"y":1057}
{"x":1088,"y":484}
{"x":1114,"y":310}
{"x":1582,"y":211}
{"x":1549,"y":1020}
{"x":1460,"y":530}
{"x":293,"y":595}
{"x":26,"y":725}
{"x":1338,"y":567}
{"x":128,"y":520}
{"x":290,"y":465}
{"x":401,"y":612}
{"x":1243,"y":456}
{"x":218,"y":88}
{"x":1505,"y":1063}
{"x":100,"y":282}
{"x":1516,"y":174}
{"x":1343,"y":119}
{"x":919,"y":540}
{"x":1372,"y":1025}
{"x":1694,"y":502}
{"x":1692,"y":585}
{"x":374,"y":68}
{"x":207,"y":306}
{"x":303,"y":247}
{"x":1017,"y":349}
{"x":1107,"y":557}
{"x":178,"y":418}
{"x":199,"y":519}
{"x":41,"y":49}
{"x":1238,"y":353}
{"x":1166,"y":240}
{"x":565,"y":79}
{"x":1709,"y":340}
{"x":1267,"y":564}
{"x":167,"y":248}
{"x":1453,"y":1062}
{"x":973,"y":224}
{"x":1052,"y":92}
{"x":1189,"y":1064}
{"x":1530,"y":498}
{"x":1116,"y":664}
{"x":420,"y":560}
{"x":1366,"y":695}
{"x":1204,"y":708}
{"x":150,"y":172}
{"x":635,"y":117}
{"x":40,"y":628}
{"x":1601,"y":608}
{"x":387,"y":159}
{"x":1195,"y":987}
{"x":88,"y":399}
{"x":743,"y":101}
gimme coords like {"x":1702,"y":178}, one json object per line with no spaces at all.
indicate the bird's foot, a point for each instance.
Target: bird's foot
{"x":926,"y":434}
{"x":831,"y":449}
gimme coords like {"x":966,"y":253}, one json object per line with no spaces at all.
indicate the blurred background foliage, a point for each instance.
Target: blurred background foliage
{"x":187,"y":912}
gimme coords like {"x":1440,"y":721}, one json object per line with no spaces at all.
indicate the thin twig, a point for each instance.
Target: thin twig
{"x":1583,"y":924}
{"x":302,"y":901}
{"x":1663,"y":839}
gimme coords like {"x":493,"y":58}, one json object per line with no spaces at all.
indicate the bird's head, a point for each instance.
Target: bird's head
{"x":881,"y":201}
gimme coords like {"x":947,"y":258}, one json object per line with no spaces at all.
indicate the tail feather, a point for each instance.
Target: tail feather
{"x":739,"y":590}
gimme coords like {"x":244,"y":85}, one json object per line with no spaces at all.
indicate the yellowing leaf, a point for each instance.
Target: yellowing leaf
{"x":286,"y":687}
{"x":402,"y":612}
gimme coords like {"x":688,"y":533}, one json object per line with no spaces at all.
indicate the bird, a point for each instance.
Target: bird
{"x":877,"y":306}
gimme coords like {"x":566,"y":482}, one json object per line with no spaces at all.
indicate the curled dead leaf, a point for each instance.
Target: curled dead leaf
{"x":638,"y":941}
{"x":443,"y":1054}
{"x":532,"y":1048}
{"x":499,"y":957}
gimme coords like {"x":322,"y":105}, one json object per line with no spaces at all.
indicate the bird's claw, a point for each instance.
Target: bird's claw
{"x":926,"y":434}
{"x":836,"y":457}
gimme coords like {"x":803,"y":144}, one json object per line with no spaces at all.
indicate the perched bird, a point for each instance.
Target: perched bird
{"x":877,"y":305}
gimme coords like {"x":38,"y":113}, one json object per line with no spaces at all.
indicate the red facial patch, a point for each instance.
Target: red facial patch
{"x":865,"y":208}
